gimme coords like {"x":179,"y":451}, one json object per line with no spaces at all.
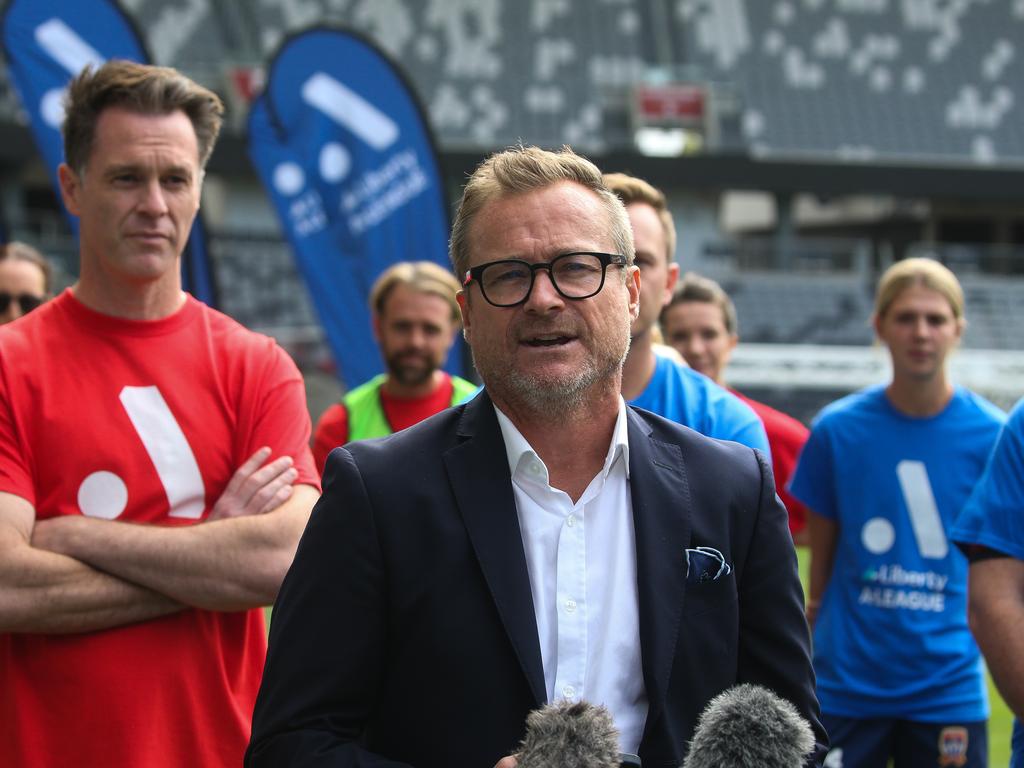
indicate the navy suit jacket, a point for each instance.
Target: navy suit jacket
{"x":405,"y":634}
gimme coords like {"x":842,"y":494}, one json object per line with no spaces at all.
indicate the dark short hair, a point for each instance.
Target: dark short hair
{"x":141,"y":88}
{"x":17,"y":251}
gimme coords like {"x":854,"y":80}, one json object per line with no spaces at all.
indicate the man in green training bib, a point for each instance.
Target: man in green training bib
{"x":415,"y":319}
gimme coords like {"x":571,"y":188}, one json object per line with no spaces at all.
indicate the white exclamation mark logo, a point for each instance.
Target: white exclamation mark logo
{"x":104,"y":494}
{"x":62,"y":44}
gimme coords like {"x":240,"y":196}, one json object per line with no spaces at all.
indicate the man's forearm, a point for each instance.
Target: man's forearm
{"x":50,"y":593}
{"x":224,"y":565}
{"x":41,"y":591}
{"x":996,"y":613}
{"x":823,"y":534}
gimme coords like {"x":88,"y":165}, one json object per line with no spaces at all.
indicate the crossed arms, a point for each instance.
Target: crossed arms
{"x":78,"y":574}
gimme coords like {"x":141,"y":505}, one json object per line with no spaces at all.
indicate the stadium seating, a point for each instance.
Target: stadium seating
{"x":995,"y":312}
{"x":872,"y":80}
{"x":261,"y":288}
{"x":865,"y":79}
{"x":778,"y":308}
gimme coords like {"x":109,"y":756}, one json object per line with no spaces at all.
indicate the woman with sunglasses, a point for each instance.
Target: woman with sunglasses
{"x":25,"y":277}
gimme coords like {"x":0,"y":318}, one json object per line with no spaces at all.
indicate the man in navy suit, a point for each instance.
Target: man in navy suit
{"x":543,"y":541}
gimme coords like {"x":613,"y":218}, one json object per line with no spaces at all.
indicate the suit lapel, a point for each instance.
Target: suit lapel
{"x":661,"y":517}
{"x":478,"y":470}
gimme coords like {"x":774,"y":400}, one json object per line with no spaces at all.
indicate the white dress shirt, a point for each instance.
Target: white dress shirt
{"x":582,"y":563}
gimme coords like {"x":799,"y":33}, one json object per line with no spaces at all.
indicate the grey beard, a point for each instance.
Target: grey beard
{"x":545,"y":397}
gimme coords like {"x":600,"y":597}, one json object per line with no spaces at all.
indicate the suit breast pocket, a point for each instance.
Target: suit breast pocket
{"x":709,"y":595}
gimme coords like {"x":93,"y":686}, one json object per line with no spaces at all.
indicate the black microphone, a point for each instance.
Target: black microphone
{"x":570,"y":735}
{"x":748,"y":726}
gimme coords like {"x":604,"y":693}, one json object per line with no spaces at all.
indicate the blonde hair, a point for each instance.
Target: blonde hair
{"x":525,"y":169}
{"x":141,"y":88}
{"x":923,"y":272}
{"x":420,"y":276}
{"x":18,"y":251}
{"x":630,"y":190}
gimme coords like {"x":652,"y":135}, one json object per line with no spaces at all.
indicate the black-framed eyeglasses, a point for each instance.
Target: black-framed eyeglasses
{"x":26,"y":301}
{"x":508,"y":282}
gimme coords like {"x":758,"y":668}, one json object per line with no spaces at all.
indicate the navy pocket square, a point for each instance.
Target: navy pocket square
{"x":705,"y":564}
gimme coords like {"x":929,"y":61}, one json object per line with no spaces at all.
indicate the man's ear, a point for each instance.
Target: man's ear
{"x":671,"y":278}
{"x":633,"y":287}
{"x":70,"y":188}
{"x":375,"y":323}
{"x":463,"y":300}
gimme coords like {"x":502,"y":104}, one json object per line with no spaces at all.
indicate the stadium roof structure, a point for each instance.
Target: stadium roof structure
{"x":899,"y":96}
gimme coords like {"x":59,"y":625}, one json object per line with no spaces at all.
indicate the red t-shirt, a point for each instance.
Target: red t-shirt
{"x":332,"y":428}
{"x":786,"y":437}
{"x":139,"y":421}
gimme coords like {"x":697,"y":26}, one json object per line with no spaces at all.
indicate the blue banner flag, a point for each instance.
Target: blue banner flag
{"x":47,"y":42}
{"x":346,"y":155}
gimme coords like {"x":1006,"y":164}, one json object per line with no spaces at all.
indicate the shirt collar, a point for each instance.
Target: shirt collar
{"x":517,"y":448}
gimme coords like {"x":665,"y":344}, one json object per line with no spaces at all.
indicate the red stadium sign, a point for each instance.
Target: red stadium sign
{"x":673,"y":104}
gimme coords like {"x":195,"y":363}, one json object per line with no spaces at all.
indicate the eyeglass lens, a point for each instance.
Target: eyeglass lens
{"x":574,"y":275}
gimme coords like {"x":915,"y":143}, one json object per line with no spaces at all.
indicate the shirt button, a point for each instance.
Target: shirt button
{"x":570,"y":605}
{"x":571,"y":521}
{"x":568,"y":691}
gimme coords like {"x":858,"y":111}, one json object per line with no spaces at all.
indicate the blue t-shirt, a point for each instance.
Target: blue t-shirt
{"x":686,"y":397}
{"x":891,"y":639}
{"x":994,"y":515}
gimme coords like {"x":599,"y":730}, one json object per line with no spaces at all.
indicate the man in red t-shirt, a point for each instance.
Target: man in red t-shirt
{"x":700,"y":323}
{"x":141,"y":526}
{"x":415,"y":319}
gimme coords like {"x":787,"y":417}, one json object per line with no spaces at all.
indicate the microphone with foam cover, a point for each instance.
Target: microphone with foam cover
{"x":748,"y":726}
{"x":570,"y":735}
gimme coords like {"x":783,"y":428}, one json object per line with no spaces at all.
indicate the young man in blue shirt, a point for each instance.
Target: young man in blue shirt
{"x":883,"y":474}
{"x":655,"y":381}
